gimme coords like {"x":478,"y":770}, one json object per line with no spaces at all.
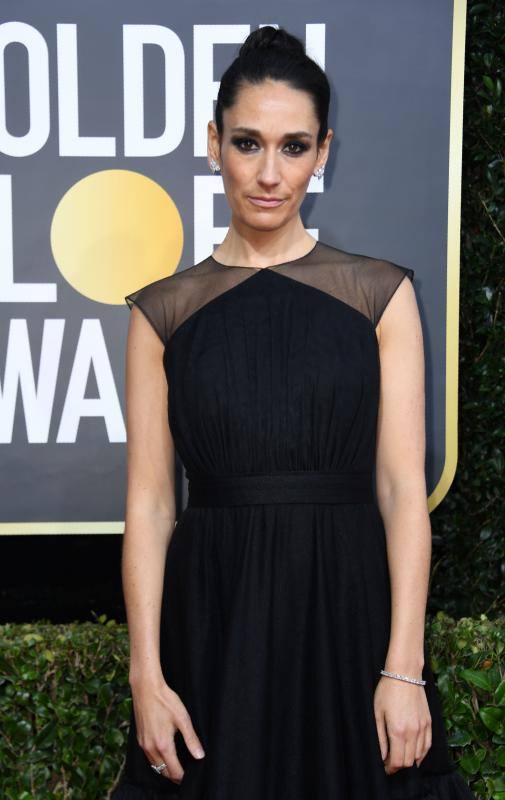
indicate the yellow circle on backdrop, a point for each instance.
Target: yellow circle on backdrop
{"x":115,"y":231}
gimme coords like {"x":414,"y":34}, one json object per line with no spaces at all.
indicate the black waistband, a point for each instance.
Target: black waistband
{"x":298,"y":486}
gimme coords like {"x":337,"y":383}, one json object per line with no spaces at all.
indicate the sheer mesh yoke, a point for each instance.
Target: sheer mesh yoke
{"x":364,"y":283}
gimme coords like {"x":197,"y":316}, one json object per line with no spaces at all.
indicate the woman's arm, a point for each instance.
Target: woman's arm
{"x":150,"y":503}
{"x":401,"y":708}
{"x":150,"y":521}
{"x":400,"y":477}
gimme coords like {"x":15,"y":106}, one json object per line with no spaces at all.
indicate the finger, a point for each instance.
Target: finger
{"x":422,"y":742}
{"x":420,"y":746}
{"x":382,"y":735}
{"x":410,"y":747}
{"x":174,"y":769}
{"x":192,"y":741}
{"x":427,"y":739}
{"x":428,"y":735}
{"x":396,"y":753}
{"x":165,"y":752}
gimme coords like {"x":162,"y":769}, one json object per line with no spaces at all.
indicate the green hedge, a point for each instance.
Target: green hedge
{"x":65,"y":704}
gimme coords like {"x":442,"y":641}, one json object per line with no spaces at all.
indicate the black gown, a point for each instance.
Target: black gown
{"x":275,"y":615}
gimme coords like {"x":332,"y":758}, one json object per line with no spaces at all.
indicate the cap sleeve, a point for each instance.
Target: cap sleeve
{"x":149,"y":300}
{"x":387,"y":282}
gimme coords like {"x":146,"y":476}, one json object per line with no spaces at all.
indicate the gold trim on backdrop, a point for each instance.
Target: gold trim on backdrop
{"x":48,"y":528}
{"x":453,"y":255}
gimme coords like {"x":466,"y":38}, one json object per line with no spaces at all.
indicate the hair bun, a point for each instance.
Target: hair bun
{"x":268,"y":36}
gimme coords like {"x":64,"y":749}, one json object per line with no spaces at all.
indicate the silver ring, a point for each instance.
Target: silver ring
{"x":158,"y":768}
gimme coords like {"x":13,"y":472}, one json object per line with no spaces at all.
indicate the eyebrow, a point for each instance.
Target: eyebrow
{"x":254,"y":132}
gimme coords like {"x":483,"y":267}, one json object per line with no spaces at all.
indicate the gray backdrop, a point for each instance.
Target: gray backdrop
{"x":391,"y":190}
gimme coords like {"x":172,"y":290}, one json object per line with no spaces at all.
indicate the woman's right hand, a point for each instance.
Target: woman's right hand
{"x":159,"y":713}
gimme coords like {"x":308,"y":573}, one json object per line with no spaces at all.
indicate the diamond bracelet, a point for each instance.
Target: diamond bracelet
{"x":402,"y":677}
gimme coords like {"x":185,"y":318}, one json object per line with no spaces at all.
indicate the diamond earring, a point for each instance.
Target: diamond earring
{"x":214,"y":165}
{"x":319,"y":172}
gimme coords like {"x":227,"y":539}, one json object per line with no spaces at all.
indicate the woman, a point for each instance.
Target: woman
{"x":276,"y":631}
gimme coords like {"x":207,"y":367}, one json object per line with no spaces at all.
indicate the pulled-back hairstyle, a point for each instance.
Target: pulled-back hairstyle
{"x":273,"y":53}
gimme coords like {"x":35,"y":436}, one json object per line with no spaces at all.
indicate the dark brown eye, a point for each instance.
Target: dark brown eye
{"x":301,"y":148}
{"x":240,"y":143}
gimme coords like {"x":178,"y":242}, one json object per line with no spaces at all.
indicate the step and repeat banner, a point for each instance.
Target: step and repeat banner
{"x":105,"y":187}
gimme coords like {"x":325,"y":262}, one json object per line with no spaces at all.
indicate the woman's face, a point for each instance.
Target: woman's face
{"x":268,"y":150}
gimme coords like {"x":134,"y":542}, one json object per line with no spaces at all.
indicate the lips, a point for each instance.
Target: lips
{"x":266,"y":202}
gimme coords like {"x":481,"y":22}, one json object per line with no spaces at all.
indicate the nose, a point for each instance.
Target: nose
{"x":269,"y":172}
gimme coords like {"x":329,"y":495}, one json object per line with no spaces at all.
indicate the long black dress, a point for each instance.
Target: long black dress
{"x":276,"y":602}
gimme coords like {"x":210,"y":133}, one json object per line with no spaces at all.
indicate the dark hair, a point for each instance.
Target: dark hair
{"x":274,"y":53}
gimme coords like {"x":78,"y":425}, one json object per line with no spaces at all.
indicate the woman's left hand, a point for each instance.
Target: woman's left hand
{"x":403,"y":720}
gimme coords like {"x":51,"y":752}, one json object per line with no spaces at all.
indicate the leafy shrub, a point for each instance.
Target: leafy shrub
{"x":65,"y":704}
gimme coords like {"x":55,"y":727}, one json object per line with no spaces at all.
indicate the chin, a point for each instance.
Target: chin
{"x":264,"y":225}
{"x":264,"y":219}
